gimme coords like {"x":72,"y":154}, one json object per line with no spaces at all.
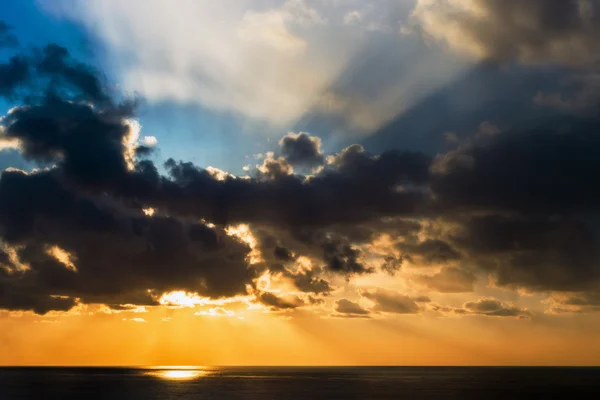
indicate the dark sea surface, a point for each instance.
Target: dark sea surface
{"x":297,"y":383}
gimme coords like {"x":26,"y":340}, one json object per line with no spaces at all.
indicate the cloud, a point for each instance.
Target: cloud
{"x":494,"y":308}
{"x":254,"y":71}
{"x":429,"y":251}
{"x":390,"y":301}
{"x":274,"y":168}
{"x":90,"y":149}
{"x":581,"y":95}
{"x":448,"y":280}
{"x":7,"y":39}
{"x":280,"y":303}
{"x":533,"y":32}
{"x":302,"y":149}
{"x":150,"y":141}
{"x":146,"y":253}
{"x":518,"y":206}
{"x":546,"y":156}
{"x":269,"y":29}
{"x":345,"y":308}
{"x":574,"y":302}
{"x":275,"y":65}
{"x":53,"y":65}
{"x":487,"y":307}
{"x":359,"y":188}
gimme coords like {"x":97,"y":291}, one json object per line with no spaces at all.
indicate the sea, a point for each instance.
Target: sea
{"x":299,"y":383}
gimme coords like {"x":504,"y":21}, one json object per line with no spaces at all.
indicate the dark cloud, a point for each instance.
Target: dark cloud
{"x":347,"y":194}
{"x":494,"y":308}
{"x":7,"y":39}
{"x":341,"y":257}
{"x":52,"y":69}
{"x":549,"y":169}
{"x":280,"y":303}
{"x":302,"y":149}
{"x":429,"y":251}
{"x":88,"y":143}
{"x":390,"y":301}
{"x":529,"y":202}
{"x":309,"y":282}
{"x":118,"y":254}
{"x":13,"y":74}
{"x":448,"y":280}
{"x":580,"y":94}
{"x":537,"y":253}
{"x":349,"y":309}
{"x":520,"y":206}
{"x":391,"y":264}
{"x":581,"y":302}
{"x":487,"y":307}
{"x":55,"y":62}
{"x":283,"y":254}
{"x":534,"y":31}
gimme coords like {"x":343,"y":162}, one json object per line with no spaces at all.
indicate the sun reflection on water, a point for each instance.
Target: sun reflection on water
{"x":177,"y":373}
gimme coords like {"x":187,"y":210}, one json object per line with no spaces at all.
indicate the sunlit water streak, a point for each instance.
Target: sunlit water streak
{"x":177,"y":373}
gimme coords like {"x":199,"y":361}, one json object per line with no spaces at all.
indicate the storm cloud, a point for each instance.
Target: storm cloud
{"x":98,"y":222}
{"x":536,"y":31}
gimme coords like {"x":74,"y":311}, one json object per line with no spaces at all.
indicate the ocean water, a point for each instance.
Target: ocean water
{"x":250,"y":383}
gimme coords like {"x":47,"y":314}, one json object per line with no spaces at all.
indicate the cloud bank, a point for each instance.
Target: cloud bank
{"x":98,"y":222}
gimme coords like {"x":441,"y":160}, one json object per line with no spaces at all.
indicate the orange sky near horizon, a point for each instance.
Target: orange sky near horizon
{"x":175,"y":336}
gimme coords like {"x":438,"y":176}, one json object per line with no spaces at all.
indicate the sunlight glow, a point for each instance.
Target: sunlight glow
{"x":149,"y":211}
{"x":130,"y":142}
{"x":62,"y":256}
{"x":177,"y":373}
{"x":180,"y":299}
{"x":243,"y":233}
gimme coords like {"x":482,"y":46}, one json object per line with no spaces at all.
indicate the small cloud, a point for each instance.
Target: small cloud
{"x":390,"y":301}
{"x":488,"y":307}
{"x":63,"y":256}
{"x":345,"y":308}
{"x":150,"y":141}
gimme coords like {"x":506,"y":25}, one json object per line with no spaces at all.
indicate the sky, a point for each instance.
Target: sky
{"x":297,"y":182}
